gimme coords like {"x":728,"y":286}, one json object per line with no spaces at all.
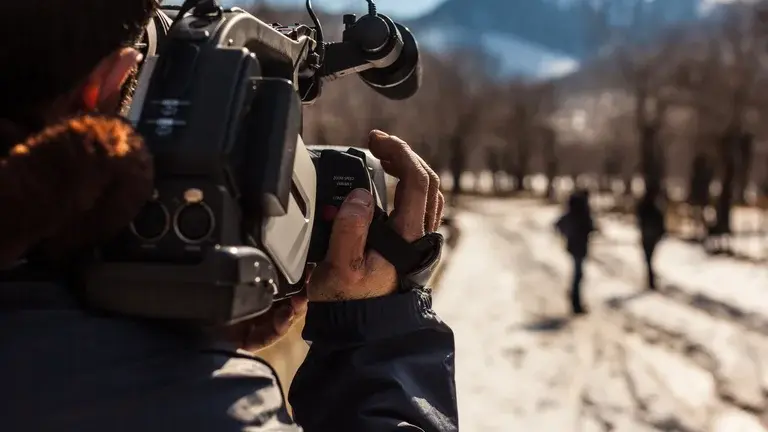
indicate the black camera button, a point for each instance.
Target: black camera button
{"x":152,"y":223}
{"x":194,"y":222}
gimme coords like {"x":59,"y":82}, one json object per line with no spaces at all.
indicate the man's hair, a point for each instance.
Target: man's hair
{"x":50,"y":46}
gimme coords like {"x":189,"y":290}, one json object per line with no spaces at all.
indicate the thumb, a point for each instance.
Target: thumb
{"x":346,"y":249}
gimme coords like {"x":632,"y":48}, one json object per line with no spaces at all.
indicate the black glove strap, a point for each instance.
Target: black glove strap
{"x":414,"y":262}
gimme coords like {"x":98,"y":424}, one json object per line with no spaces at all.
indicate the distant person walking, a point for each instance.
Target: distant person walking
{"x":576,"y":225}
{"x":650,"y":219}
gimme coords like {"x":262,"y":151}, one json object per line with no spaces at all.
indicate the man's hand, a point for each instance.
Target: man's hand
{"x":351,"y":273}
{"x":264,"y":330}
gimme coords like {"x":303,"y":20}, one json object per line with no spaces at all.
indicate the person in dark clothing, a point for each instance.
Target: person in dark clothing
{"x":576,"y":225}
{"x":651,"y":222}
{"x":379,"y":359}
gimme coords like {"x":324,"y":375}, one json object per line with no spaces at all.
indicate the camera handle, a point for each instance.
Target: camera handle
{"x":414,"y":262}
{"x":339,"y":173}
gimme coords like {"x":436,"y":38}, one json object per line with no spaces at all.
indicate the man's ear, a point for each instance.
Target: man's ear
{"x":103,"y":88}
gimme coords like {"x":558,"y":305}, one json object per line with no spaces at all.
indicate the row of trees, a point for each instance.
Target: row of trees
{"x":701,"y":86}
{"x":679,"y":110}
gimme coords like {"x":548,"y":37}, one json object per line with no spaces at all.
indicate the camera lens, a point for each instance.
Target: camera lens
{"x":194,"y":222}
{"x":152,"y":222}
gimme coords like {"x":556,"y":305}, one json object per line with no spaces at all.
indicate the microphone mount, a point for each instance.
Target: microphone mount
{"x":382,"y":52}
{"x":367,"y":43}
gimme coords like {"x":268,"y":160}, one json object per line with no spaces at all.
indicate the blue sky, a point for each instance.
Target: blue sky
{"x":399,"y":8}
{"x":413,"y":8}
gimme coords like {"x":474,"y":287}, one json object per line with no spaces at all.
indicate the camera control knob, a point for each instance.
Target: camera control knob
{"x":194,"y":222}
{"x":152,"y":223}
{"x":372,"y":33}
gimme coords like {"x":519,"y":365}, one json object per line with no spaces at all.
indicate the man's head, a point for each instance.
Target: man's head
{"x":73,"y":177}
{"x":60,"y":57}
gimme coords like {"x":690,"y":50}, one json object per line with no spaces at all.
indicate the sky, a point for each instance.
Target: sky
{"x":399,"y":8}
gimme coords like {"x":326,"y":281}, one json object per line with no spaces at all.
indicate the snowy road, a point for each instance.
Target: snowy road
{"x":639,"y":362}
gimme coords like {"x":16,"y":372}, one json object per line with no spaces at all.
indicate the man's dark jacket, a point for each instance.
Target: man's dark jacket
{"x":383,"y":364}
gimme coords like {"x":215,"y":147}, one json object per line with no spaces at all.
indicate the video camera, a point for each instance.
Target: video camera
{"x":241,"y":205}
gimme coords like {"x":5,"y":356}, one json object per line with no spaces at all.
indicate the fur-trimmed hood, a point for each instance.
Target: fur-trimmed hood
{"x":70,"y":186}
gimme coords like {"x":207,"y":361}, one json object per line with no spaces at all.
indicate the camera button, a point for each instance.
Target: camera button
{"x":152,"y":222}
{"x":194,"y":223}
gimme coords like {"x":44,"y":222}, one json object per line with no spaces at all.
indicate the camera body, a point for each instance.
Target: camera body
{"x":233,"y":221}
{"x":339,"y":173}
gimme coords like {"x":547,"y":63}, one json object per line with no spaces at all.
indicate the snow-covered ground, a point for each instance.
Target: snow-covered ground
{"x":682,"y":359}
{"x":750,"y":225}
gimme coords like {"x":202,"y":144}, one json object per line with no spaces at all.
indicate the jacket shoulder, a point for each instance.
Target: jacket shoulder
{"x":249,"y":389}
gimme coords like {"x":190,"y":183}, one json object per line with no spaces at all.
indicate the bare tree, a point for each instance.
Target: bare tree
{"x":722,"y":90}
{"x":645,"y":72}
{"x":524,"y":126}
{"x":494,"y":166}
{"x":692,"y":78}
{"x":458,"y":103}
{"x":738,"y":48}
{"x":518,"y":131}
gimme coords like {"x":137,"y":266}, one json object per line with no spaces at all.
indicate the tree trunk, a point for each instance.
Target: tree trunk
{"x":764,"y":181}
{"x":611,"y":169}
{"x":698,"y":193}
{"x":729,"y":143}
{"x":494,"y":166}
{"x":650,"y":164}
{"x":551,"y":174}
{"x":700,"y":181}
{"x":522,"y":134}
{"x":745,"y":152}
{"x":605,"y":183}
{"x":628,"y":185}
{"x":551,"y":166}
{"x":521,"y":165}
{"x":458,"y":165}
{"x":519,"y":180}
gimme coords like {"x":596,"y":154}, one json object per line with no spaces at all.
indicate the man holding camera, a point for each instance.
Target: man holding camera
{"x":73,"y":174}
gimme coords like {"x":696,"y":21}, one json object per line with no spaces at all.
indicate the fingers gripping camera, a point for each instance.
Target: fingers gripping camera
{"x":341,"y":172}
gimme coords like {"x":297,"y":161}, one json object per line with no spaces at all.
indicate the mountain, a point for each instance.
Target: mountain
{"x":539,"y":22}
{"x":546,"y":38}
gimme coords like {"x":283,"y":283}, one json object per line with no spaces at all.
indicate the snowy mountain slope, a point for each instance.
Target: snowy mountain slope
{"x":546,"y":38}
